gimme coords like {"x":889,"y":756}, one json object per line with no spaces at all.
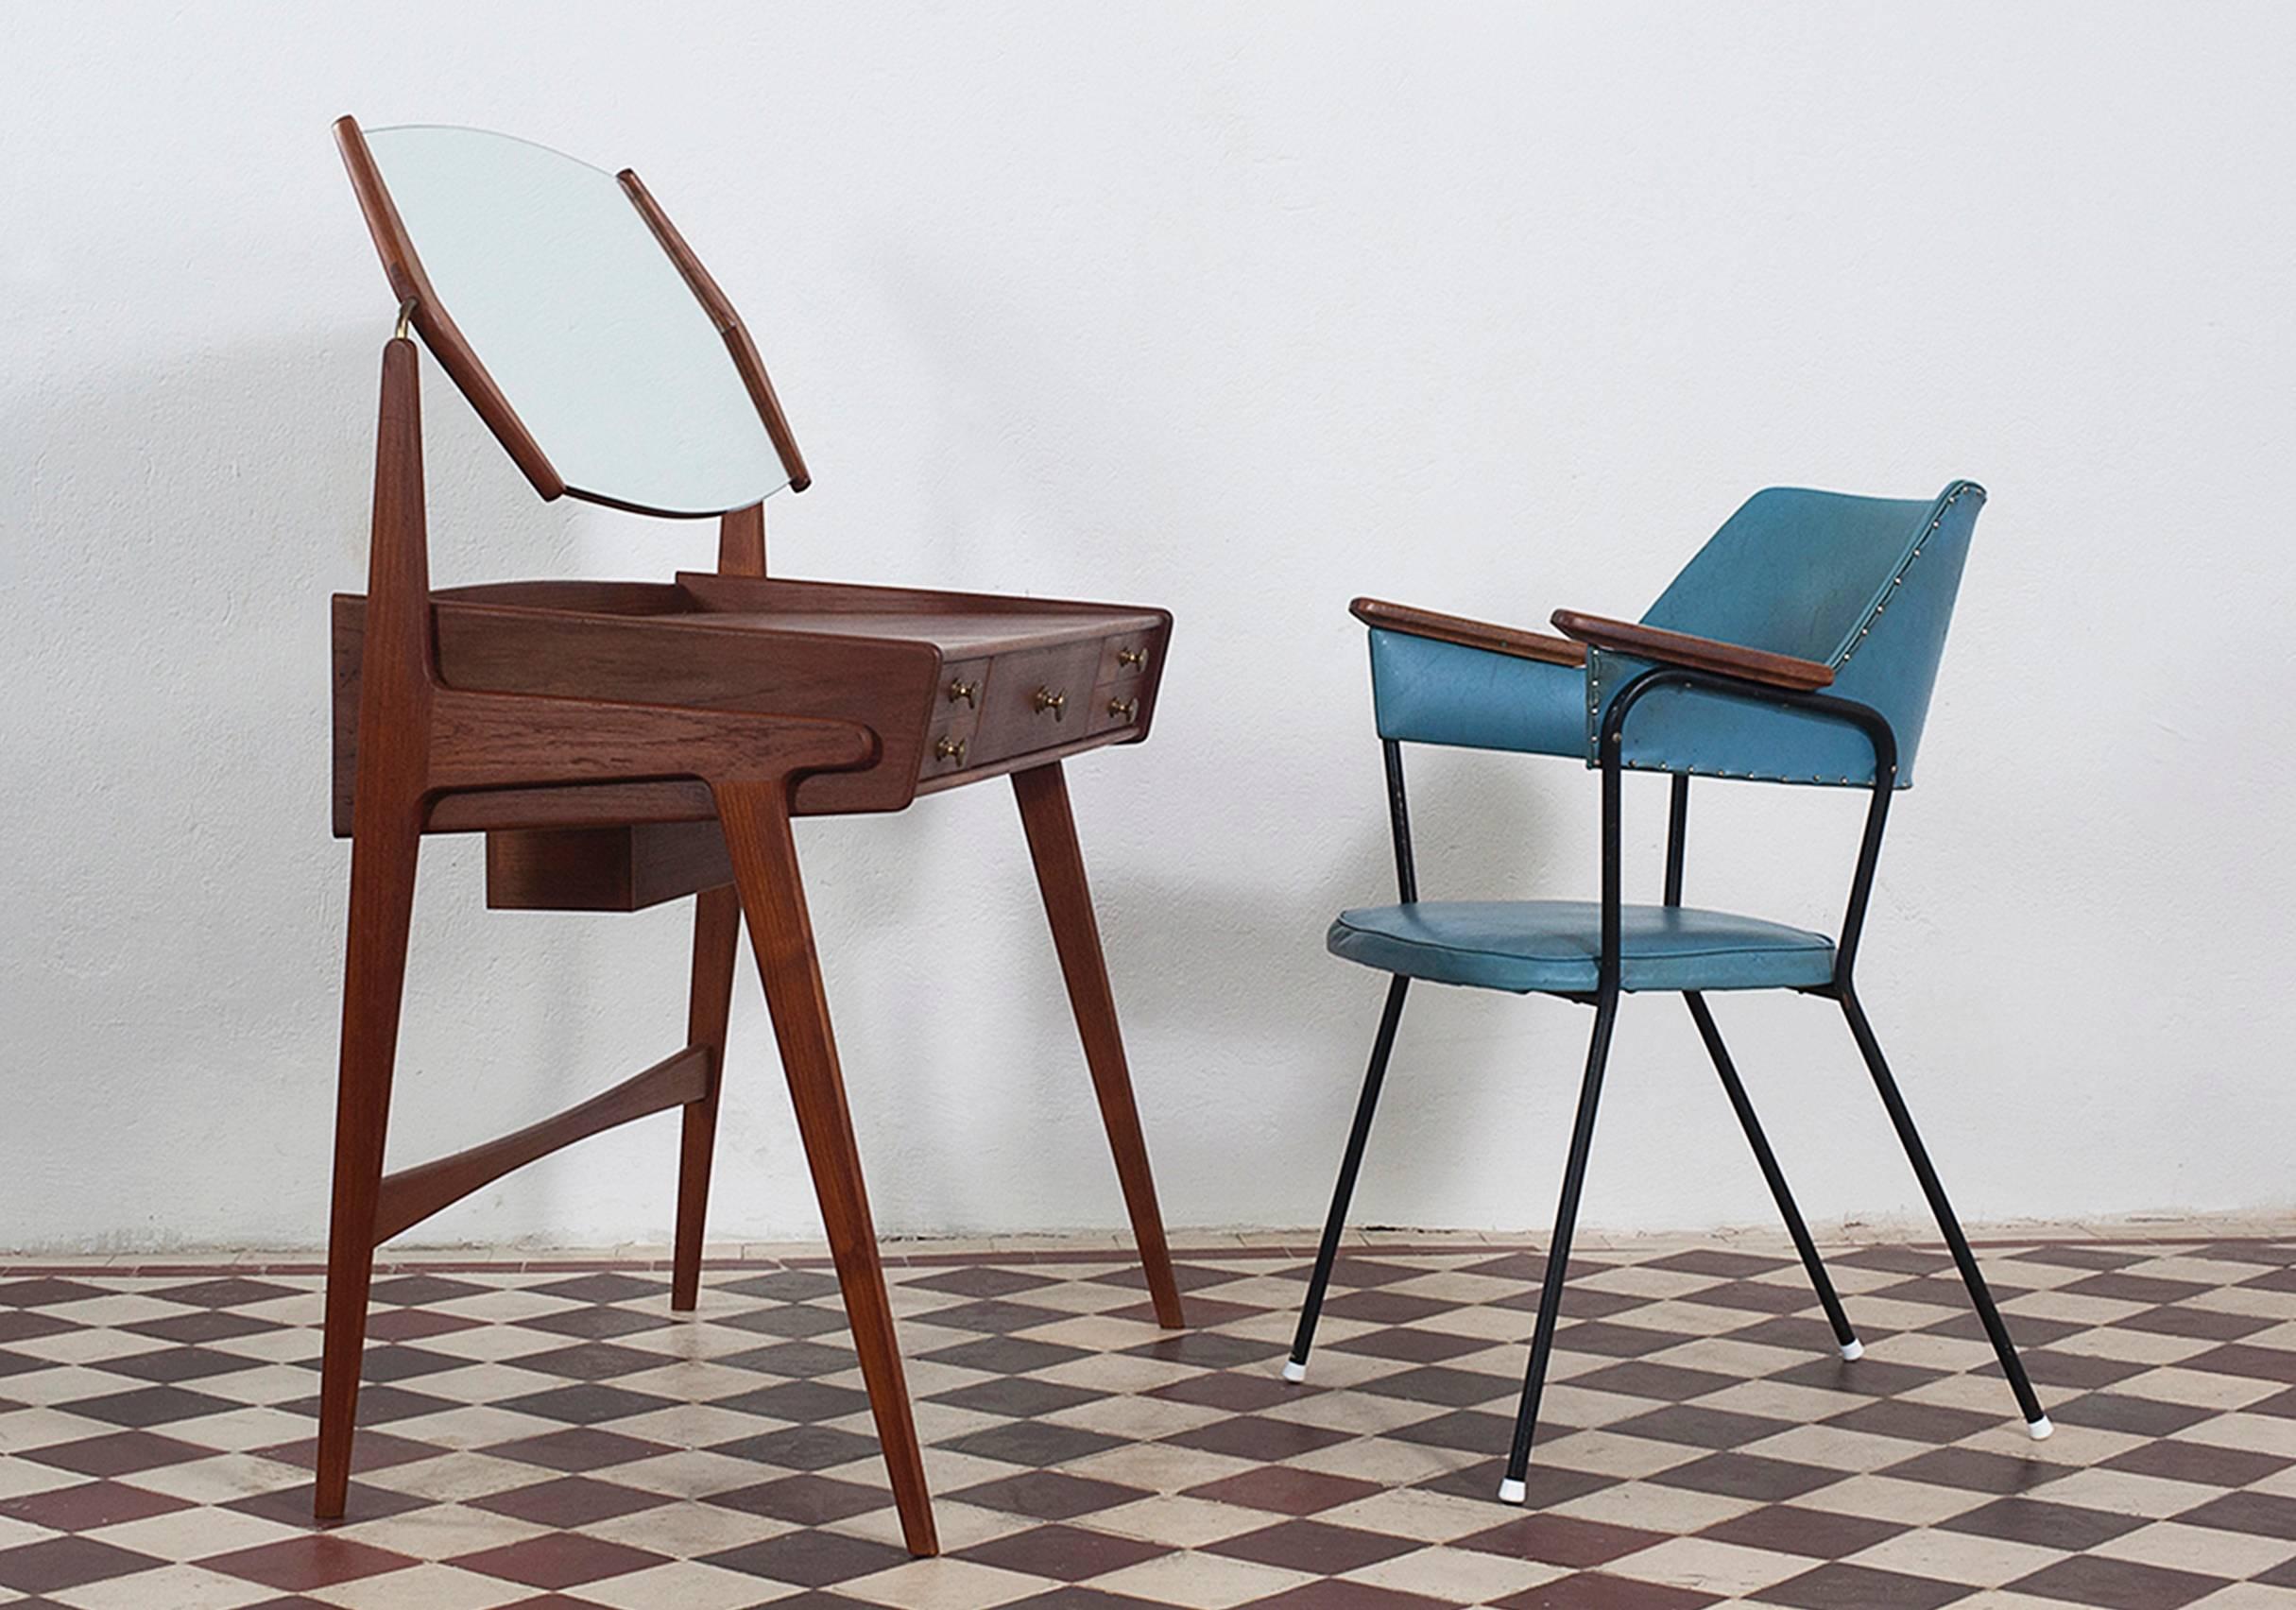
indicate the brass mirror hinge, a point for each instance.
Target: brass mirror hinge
{"x":406,"y":319}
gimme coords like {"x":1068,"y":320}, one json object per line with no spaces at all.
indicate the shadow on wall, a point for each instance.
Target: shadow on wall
{"x":175,"y":531}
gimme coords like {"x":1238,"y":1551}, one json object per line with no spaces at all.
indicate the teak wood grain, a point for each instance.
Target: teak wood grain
{"x":412,"y":1195}
{"x":1050,"y":826}
{"x":623,"y":743}
{"x":1468,"y":633}
{"x":1699,"y":654}
{"x":420,"y":740}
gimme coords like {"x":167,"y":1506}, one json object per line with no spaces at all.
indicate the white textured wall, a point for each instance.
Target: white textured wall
{"x":1241,"y":311}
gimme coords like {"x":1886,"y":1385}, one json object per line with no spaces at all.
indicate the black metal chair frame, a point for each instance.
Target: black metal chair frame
{"x":1605,"y":1003}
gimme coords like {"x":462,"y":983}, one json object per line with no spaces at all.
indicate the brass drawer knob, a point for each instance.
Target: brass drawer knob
{"x":967,"y":693}
{"x":1132,"y":656}
{"x":1124,"y":709}
{"x":950,"y":749}
{"x":1057,"y":703}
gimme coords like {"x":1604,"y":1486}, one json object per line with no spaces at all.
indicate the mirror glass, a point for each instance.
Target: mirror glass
{"x":604,"y":352}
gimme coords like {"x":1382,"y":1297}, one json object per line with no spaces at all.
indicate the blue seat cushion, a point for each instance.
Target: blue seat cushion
{"x":1555,"y":946}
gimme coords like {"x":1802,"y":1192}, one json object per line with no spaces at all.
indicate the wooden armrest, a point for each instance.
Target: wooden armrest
{"x":1699,"y":654}
{"x":1472,"y":634}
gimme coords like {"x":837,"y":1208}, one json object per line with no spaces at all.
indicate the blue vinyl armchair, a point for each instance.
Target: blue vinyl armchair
{"x":1799,"y":591}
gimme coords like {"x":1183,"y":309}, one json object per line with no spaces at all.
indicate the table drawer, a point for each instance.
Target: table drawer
{"x":1115,"y":705}
{"x":1035,"y":699}
{"x":1125,"y":656}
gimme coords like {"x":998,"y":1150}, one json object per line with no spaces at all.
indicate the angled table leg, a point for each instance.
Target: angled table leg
{"x":1050,"y":826}
{"x":388,"y":809}
{"x":764,"y":856}
{"x":717,"y":934}
{"x":383,"y":859}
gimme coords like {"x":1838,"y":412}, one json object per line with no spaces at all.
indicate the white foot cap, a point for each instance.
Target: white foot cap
{"x":1853,"y":1348}
{"x":1293,"y":1370}
{"x":2039,"y":1429}
{"x":1511,"y":1493}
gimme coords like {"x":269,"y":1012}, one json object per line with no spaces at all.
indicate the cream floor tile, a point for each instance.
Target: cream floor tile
{"x":1406,"y":1512}
{"x":1456,"y":1576}
{"x":1654,"y":1508}
{"x":683,"y":1584}
{"x":1891,"y":1498}
{"x":1705,"y":1566}
{"x":961,"y":1526}
{"x":945,"y":1584}
{"x":2127,"y":1493}
{"x":2201,"y":1548}
{"x":194,"y":1533}
{"x":177,"y":1587}
{"x":686,"y":1530}
{"x":441,"y":1531}
{"x":424,"y":1587}
{"x":1182,"y":1522}
{"x":1200,"y":1582}
{"x":1957,"y":1557}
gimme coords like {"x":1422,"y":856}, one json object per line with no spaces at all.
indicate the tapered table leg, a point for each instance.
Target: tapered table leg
{"x":1044,"y":792}
{"x":717,"y":932}
{"x":383,"y":858}
{"x":764,"y":856}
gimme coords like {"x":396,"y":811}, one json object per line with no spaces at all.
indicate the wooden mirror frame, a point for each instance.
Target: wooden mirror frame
{"x":419,"y":306}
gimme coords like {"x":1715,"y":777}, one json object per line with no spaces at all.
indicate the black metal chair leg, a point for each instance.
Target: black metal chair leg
{"x":1844,"y":1337}
{"x":1511,"y":1490}
{"x":2037,"y":1422}
{"x":1297,"y":1367}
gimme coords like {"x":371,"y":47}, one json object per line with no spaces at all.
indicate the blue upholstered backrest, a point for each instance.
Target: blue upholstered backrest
{"x":1865,"y":585}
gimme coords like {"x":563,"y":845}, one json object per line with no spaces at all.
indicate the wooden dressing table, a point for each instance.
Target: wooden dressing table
{"x":623,"y":743}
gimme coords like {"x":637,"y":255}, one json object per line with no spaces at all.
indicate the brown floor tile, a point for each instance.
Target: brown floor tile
{"x":801,"y":1448}
{"x":2101,"y":1583}
{"x":2267,"y":1514}
{"x":804,"y":1500}
{"x":57,"y":1563}
{"x":1789,"y":1529}
{"x":1749,"y":1476}
{"x":1285,"y":1489}
{"x":1065,"y":1554}
{"x":1841,"y":1586}
{"x":558,"y":1560}
{"x":1253,"y":1436}
{"x":1695,"y":1426}
{"x":584,"y":1448}
{"x":1591,"y":1590}
{"x":85,"y":1508}
{"x":122,"y":1453}
{"x":1048,"y":1495}
{"x":809,"y":1559}
{"x":2044,"y":1524}
{"x":295,"y":1565}
{"x":2197,"y":1461}
{"x":1561,"y":1541}
{"x":570,"y":1502}
{"x":1346,"y":1596}
{"x":1314,"y":1545}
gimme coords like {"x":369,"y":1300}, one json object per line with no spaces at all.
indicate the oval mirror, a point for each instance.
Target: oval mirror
{"x":583,"y":322}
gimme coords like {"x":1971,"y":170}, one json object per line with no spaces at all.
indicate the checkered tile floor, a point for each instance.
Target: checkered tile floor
{"x":550,"y":1436}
